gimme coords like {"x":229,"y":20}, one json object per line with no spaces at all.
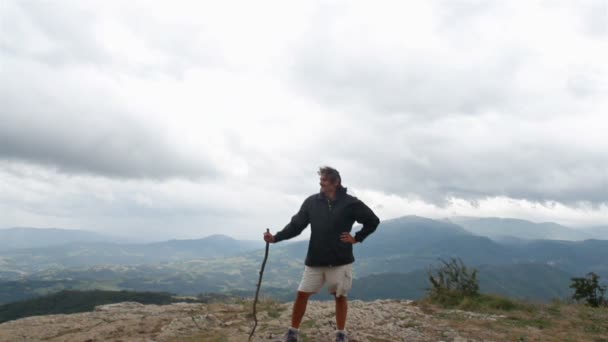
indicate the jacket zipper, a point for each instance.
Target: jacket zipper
{"x":329,"y":204}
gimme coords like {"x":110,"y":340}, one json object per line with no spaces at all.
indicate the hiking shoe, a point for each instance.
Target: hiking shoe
{"x":341,"y":337}
{"x":291,"y":336}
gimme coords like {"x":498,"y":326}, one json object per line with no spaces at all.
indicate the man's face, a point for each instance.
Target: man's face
{"x":327,"y":186}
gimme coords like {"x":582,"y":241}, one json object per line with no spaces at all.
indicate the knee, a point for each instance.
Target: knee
{"x":339,"y":298}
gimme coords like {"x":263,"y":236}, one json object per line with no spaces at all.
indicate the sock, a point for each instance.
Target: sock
{"x":293,"y":329}
{"x":341,"y":331}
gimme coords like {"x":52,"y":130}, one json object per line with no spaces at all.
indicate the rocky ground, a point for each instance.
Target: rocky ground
{"x":382,"y":320}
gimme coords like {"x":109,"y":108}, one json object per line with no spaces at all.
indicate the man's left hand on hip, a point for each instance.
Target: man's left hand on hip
{"x":346,"y":237}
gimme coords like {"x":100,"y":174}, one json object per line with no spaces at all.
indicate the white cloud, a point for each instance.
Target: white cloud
{"x":392,"y":206}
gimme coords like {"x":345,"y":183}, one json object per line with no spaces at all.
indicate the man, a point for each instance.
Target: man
{"x":331,"y":214}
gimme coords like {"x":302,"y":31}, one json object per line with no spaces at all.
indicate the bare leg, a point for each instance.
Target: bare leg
{"x":341,"y":310}
{"x":299,"y":308}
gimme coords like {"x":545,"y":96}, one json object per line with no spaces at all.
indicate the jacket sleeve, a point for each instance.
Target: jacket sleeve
{"x":298,"y":222}
{"x":369,"y":220}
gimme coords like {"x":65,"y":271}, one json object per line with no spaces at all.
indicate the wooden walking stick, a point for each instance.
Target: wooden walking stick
{"x":257,"y":291}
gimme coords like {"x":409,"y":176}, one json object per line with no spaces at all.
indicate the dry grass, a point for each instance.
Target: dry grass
{"x":529,"y":322}
{"x":483,"y":318}
{"x":210,"y":336}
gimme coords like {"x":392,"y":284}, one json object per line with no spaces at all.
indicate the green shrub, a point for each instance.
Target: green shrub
{"x":590,"y":290}
{"x":452,"y":282}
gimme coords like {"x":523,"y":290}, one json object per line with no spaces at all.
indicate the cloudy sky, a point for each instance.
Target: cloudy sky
{"x":182,"y":119}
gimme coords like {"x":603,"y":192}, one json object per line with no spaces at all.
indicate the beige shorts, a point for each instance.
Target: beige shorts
{"x":339,"y":279}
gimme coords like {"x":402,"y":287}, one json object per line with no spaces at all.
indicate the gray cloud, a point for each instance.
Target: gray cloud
{"x":417,"y":88}
{"x":473,"y":159}
{"x":54,"y":33}
{"x":139,"y":208}
{"x":470,"y":113}
{"x":60,"y":34}
{"x":81,"y":127}
{"x":595,"y":21}
{"x":59,"y":102}
{"x":469,"y":63}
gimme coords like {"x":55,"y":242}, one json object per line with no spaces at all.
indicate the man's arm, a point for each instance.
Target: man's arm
{"x":298,"y":222}
{"x":369,"y":220}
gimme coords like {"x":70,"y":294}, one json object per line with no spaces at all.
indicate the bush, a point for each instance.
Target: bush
{"x":452,"y":282}
{"x":590,"y":290}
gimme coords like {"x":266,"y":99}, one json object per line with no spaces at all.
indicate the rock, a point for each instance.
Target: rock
{"x":124,"y":306}
{"x":380,"y":320}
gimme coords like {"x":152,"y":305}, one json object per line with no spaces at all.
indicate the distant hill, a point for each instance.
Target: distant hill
{"x":505,"y":228}
{"x":522,"y":281}
{"x":598,"y":232}
{"x":222,"y":264}
{"x":214,"y":246}
{"x":578,"y":257}
{"x":90,"y":253}
{"x":11,"y":238}
{"x":532,"y":281}
{"x":403,"y":233}
{"x":408,"y":243}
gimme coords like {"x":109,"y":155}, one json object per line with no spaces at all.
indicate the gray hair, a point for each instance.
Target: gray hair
{"x":330,"y":173}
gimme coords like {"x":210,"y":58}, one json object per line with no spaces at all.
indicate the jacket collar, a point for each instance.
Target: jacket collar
{"x":340,"y":193}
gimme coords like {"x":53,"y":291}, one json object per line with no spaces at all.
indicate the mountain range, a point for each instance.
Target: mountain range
{"x":510,"y":229}
{"x":391,"y":263}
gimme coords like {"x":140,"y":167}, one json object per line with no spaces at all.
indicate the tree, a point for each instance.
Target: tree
{"x":589,"y":289}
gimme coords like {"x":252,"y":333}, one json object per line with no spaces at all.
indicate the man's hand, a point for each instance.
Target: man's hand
{"x":346,"y":237}
{"x":268,"y":237}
